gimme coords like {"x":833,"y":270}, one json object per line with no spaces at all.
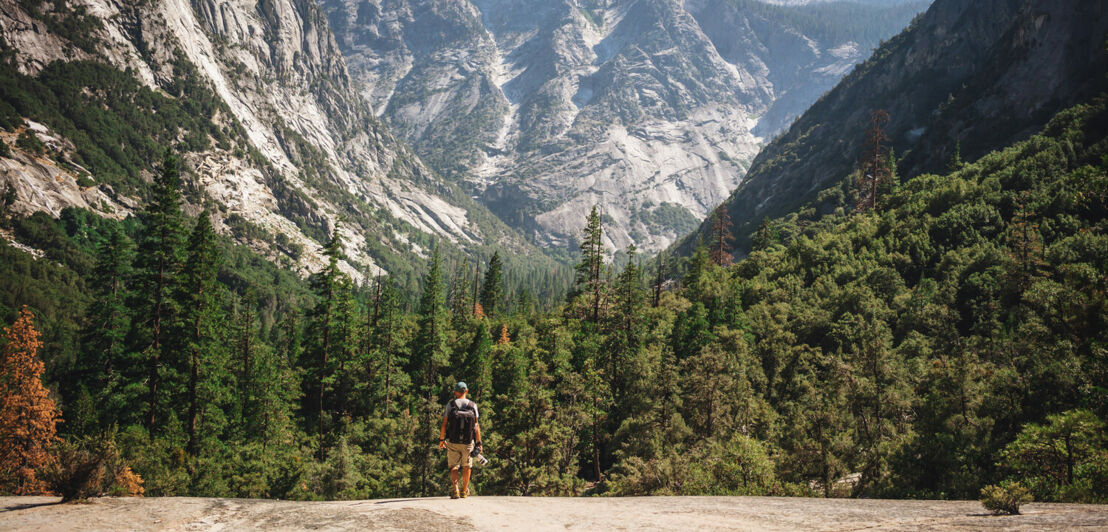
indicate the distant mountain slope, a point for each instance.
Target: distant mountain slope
{"x":653,"y":108}
{"x":276,"y":140}
{"x":979,"y":75}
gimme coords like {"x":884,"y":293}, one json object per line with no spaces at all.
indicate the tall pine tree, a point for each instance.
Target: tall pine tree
{"x":430,"y":350}
{"x":200,"y":320}
{"x":591,"y":268}
{"x":157,"y":266}
{"x":104,"y":336}
{"x":324,"y":328}
{"x":492,"y":291}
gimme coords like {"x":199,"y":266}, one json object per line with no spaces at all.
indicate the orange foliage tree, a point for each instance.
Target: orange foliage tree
{"x":28,"y":417}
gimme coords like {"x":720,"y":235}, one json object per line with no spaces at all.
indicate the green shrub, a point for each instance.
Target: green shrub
{"x":1005,"y":498}
{"x":5,"y":150}
{"x":30,"y":143}
{"x":85,"y":182}
{"x":1064,"y":459}
{"x":91,"y":466}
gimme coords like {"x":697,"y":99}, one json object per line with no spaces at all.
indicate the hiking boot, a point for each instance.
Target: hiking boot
{"x":455,"y":494}
{"x":465,"y":493}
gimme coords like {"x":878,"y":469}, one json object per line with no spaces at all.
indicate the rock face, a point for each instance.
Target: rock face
{"x":319,"y":152}
{"x":651,"y":108}
{"x":975,"y":75}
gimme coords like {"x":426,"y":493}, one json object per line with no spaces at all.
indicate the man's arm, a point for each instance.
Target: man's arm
{"x":477,"y":431}
{"x":442,"y":434}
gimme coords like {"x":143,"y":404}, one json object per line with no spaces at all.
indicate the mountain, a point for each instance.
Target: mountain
{"x":652,"y":108}
{"x":966,"y":77}
{"x":276,"y":140}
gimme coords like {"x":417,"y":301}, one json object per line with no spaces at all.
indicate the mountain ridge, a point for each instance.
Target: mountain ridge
{"x":541,"y":110}
{"x":968,"y":77}
{"x":298,"y":154}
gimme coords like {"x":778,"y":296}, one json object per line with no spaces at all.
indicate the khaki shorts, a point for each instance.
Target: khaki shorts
{"x":457,"y":455}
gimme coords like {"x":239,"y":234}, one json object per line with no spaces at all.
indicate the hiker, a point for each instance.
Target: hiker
{"x":460,"y":435}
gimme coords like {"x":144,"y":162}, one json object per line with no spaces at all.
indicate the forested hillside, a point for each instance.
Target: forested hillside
{"x":925,"y":347}
{"x":964,"y":77}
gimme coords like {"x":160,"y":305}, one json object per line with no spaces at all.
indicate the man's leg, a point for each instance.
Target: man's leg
{"x":465,"y":479}
{"x":453,"y":460}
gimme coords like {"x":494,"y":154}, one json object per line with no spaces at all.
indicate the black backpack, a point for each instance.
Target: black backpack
{"x":460,"y":422}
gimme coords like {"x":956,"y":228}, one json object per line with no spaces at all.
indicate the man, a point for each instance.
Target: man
{"x":459,"y":433}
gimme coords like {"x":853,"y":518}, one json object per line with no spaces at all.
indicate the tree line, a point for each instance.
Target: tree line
{"x":947,"y":336}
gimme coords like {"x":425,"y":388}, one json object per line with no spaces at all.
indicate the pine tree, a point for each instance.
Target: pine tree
{"x":104,"y":336}
{"x":660,"y":270}
{"x":28,"y":417}
{"x":625,"y":339}
{"x":324,"y":328}
{"x":492,"y":291}
{"x":764,"y":236}
{"x":591,"y":268}
{"x":245,"y":347}
{"x":878,"y":390}
{"x":476,"y":370}
{"x":199,"y":320}
{"x":273,"y":391}
{"x":430,"y":350}
{"x":956,"y":162}
{"x":721,"y":237}
{"x":387,"y":348}
{"x":1025,"y":244}
{"x":698,"y":264}
{"x":157,"y":264}
{"x":345,"y":362}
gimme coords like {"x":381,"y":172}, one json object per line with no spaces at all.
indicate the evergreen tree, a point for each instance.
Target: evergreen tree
{"x":764,"y":236}
{"x":956,"y":162}
{"x":324,"y":329}
{"x":28,"y":417}
{"x":626,"y":327}
{"x":476,"y":369}
{"x":387,"y":349}
{"x":200,"y":318}
{"x":698,"y":264}
{"x":492,"y":290}
{"x":660,"y":270}
{"x":430,"y":350}
{"x":157,"y":266}
{"x":104,"y":336}
{"x":877,"y":387}
{"x":591,"y":268}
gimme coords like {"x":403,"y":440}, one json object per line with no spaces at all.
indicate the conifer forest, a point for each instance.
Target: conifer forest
{"x":943,"y":334}
{"x":796,"y":248}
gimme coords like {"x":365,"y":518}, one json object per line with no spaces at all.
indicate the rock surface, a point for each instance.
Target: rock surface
{"x":539,"y":514}
{"x":323,"y":154}
{"x":652,"y":108}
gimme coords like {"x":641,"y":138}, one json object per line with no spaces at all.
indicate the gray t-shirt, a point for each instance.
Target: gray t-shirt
{"x":460,"y":402}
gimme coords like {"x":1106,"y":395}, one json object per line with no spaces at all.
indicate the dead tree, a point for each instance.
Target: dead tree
{"x":875,"y":166}
{"x":721,"y":237}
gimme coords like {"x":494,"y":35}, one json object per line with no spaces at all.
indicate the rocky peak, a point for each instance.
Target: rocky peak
{"x":653,"y":108}
{"x":306,"y":150}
